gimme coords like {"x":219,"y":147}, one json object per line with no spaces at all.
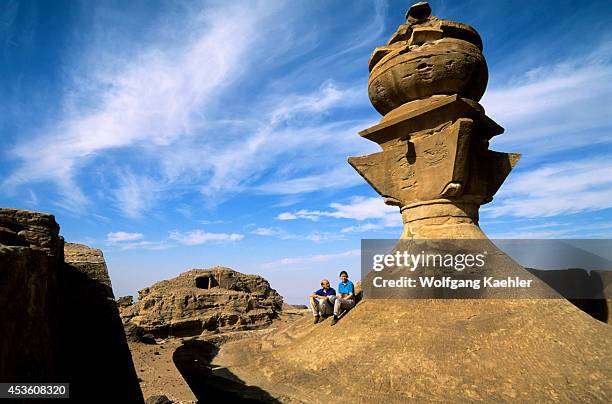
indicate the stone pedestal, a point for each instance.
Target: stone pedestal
{"x":436,"y":165}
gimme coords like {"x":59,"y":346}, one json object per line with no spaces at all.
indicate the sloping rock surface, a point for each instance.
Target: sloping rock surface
{"x":426,"y":350}
{"x":204,"y":300}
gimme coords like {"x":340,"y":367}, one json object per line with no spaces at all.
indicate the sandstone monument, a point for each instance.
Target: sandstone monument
{"x":203,"y":301}
{"x":435,"y":164}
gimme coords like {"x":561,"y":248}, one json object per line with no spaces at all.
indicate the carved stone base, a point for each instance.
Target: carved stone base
{"x":441,"y":219}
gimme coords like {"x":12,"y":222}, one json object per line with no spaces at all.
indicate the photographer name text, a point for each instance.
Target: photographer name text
{"x":448,"y":282}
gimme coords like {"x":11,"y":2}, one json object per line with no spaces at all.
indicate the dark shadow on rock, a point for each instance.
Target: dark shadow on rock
{"x":602,"y":287}
{"x":95,"y":357}
{"x":596,"y":308}
{"x":193,"y":360}
{"x":583,"y":289}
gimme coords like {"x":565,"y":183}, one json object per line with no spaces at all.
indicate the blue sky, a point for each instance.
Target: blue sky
{"x":178,"y":135}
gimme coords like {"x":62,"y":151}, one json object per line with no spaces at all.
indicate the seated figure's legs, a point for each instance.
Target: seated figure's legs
{"x":341,"y":303}
{"x":314,"y":305}
{"x":325,"y":307}
{"x":337,"y":306}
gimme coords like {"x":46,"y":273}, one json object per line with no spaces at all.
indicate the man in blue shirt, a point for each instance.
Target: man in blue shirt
{"x":320,"y":303}
{"x":345,"y":298}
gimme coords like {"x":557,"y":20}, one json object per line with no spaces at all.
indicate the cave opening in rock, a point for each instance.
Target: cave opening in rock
{"x":205,"y":282}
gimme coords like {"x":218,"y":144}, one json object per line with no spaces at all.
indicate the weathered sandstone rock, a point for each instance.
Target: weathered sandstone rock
{"x":125,"y":301}
{"x":59,"y":319}
{"x":31,"y":255}
{"x":424,"y":350}
{"x":215,"y":299}
{"x":158,"y":400}
{"x":27,"y":228}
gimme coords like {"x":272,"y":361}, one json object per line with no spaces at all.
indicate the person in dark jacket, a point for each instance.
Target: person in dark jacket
{"x":320,"y":301}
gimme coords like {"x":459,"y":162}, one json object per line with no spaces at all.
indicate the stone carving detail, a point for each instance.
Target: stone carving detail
{"x":435,"y":162}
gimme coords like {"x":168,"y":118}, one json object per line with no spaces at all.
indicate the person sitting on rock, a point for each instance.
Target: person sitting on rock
{"x":320,"y":303}
{"x":345,"y":299}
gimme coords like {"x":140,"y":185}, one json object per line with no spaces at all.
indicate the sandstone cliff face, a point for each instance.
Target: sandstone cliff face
{"x":91,"y":330}
{"x":59,"y":320}
{"x":31,"y":253}
{"x":201,"y":300}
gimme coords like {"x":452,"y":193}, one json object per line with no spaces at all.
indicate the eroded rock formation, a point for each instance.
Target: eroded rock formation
{"x":59,"y":319}
{"x":204,"y":300}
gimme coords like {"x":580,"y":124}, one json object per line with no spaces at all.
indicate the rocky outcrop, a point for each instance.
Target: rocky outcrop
{"x":91,"y":329}
{"x":59,"y":318}
{"x":204,"y":300}
{"x":31,"y":253}
{"x":160,"y":399}
{"x":294,"y":306}
{"x":125,"y":301}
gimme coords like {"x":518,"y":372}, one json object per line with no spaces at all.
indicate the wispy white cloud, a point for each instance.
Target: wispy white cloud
{"x":290,"y":261}
{"x":120,"y":236}
{"x":290,"y":139}
{"x":212,"y":221}
{"x":130,"y":241}
{"x":321,"y":102}
{"x":147,"y":100}
{"x":177,"y":111}
{"x":321,"y":236}
{"x":316,"y":236}
{"x":268,"y":231}
{"x":290,"y":216}
{"x":32,"y":199}
{"x":359,"y":208}
{"x":197,"y":237}
{"x":144,"y":245}
{"x":555,"y":189}
{"x":553,"y":230}
{"x":339,"y":177}
{"x":361,"y":228}
{"x":123,"y":241}
{"x":136,"y":194}
{"x":556,"y":107}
